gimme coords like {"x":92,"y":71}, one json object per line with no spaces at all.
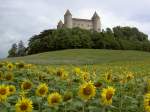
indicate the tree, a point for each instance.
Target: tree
{"x":13,"y":51}
{"x":126,"y":38}
{"x":21,"y":49}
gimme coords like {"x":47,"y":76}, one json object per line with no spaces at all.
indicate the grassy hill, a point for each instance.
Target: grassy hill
{"x":85,"y":56}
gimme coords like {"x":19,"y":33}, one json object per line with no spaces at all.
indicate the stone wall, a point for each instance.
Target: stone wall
{"x":82,"y":23}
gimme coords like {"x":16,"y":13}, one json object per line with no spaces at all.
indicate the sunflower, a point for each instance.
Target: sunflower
{"x":1,"y":65}
{"x":64,"y":75}
{"x":4,"y":91}
{"x":106,"y":95}
{"x":28,"y":66}
{"x":50,"y":70}
{"x":77,"y":71}
{"x":42,"y":90}
{"x":24,"y":105}
{"x":60,"y":72}
{"x":147,"y":102}
{"x":12,"y":89}
{"x":20,"y":65}
{"x":87,"y":90}
{"x":9,"y":76}
{"x":10,"y":66}
{"x":130,"y":76}
{"x":85,"y":76}
{"x":26,"y":85}
{"x":108,"y":76}
{"x":54,"y":99}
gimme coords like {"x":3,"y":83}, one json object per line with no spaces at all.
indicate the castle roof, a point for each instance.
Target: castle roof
{"x":67,"y":12}
{"x":60,"y":22}
{"x":95,"y":16}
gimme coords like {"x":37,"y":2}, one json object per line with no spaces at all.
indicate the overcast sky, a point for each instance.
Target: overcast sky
{"x":21,"y":19}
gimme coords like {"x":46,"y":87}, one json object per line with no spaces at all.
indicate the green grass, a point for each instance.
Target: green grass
{"x":85,"y":56}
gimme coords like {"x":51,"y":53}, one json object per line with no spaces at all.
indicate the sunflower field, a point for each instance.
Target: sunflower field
{"x":69,"y":88}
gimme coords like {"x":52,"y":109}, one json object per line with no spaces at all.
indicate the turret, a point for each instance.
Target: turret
{"x":60,"y":24}
{"x":68,"y":19}
{"x":96,"y":22}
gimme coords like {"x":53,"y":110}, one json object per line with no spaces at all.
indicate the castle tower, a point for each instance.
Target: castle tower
{"x":60,"y":25}
{"x":96,"y":22}
{"x":68,"y":19}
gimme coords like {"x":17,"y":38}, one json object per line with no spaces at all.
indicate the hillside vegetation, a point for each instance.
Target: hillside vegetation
{"x":118,"y":38}
{"x":85,"y":56}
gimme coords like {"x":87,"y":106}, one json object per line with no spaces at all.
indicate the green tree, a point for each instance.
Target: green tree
{"x":13,"y":51}
{"x":21,"y":49}
{"x":125,"y":38}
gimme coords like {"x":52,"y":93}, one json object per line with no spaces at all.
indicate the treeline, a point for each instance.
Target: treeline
{"x":17,"y":50}
{"x":120,"y":38}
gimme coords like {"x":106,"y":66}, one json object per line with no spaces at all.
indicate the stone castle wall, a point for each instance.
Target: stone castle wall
{"x":82,"y":23}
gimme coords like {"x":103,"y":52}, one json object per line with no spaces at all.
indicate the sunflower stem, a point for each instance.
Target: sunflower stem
{"x":83,"y":108}
{"x":104,"y":109}
{"x":65,"y":108}
{"x":40,"y":106}
{"x":120,"y":108}
{"x":84,"y":104}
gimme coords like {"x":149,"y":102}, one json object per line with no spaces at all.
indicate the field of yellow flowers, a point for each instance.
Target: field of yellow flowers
{"x":89,"y":88}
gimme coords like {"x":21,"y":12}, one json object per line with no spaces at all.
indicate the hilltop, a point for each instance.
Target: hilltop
{"x":85,"y":56}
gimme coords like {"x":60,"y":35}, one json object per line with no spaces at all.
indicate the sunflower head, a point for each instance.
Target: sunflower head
{"x":106,"y":95}
{"x":108,"y":76}
{"x":64,"y":75}
{"x":54,"y":99}
{"x":4,"y":92}
{"x":10,"y":66}
{"x":21,"y":65}
{"x":1,"y":65}
{"x":60,"y":72}
{"x":42,"y":90}
{"x":130,"y":76}
{"x":12,"y":89}
{"x":24,"y":105}
{"x":28,"y":66}
{"x":147,"y":102}
{"x":77,"y":71}
{"x":26,"y":85}
{"x":50,"y":70}
{"x":87,"y":90}
{"x":85,"y":76}
{"x":9,"y":76}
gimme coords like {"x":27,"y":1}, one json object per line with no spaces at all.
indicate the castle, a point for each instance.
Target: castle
{"x":94,"y":24}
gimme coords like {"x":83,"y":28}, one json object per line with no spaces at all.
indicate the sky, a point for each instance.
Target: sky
{"x":21,"y":19}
